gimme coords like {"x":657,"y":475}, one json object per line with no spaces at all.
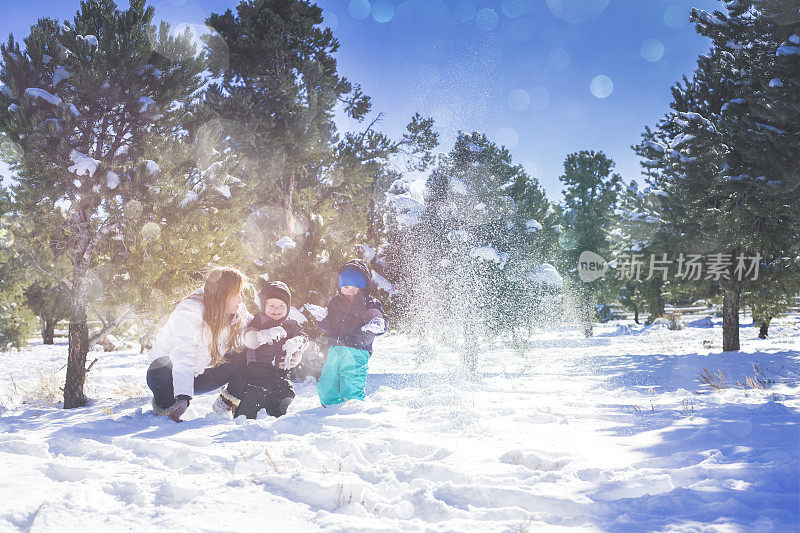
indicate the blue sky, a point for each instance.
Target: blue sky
{"x":543,"y":77}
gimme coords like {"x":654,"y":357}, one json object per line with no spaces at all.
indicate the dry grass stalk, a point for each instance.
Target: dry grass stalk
{"x":715,"y":381}
{"x":270,"y":460}
{"x":132,"y":391}
{"x":757,"y":382}
{"x":42,"y":390}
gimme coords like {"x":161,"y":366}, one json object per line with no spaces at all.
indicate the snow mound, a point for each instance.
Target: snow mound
{"x":489,"y":254}
{"x":547,"y":275}
{"x":83,"y":164}
{"x":151,"y":166}
{"x":89,"y":39}
{"x":112,"y":179}
{"x":532,"y":226}
{"x":59,"y":75}
{"x":144,"y":103}
{"x":41,"y":94}
{"x":224,"y":190}
{"x":610,"y":433}
{"x":286,"y":243}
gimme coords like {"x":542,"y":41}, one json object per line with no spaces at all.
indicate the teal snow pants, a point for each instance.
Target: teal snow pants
{"x":344,"y":375}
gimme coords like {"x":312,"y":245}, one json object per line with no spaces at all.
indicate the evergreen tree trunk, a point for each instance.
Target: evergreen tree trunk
{"x":78,"y":348}
{"x":661,"y":303}
{"x":78,"y":328}
{"x":763,"y":331}
{"x":636,"y":313}
{"x":587,"y":314}
{"x":730,"y":319}
{"x":48,"y":330}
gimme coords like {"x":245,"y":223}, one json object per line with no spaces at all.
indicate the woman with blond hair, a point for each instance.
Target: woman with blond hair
{"x":199,"y":348}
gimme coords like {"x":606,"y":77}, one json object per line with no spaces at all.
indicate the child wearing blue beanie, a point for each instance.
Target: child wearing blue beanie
{"x":353,"y":320}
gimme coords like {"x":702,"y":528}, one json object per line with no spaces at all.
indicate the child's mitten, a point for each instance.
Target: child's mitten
{"x":294,"y":351}
{"x":268,"y":336}
{"x":377,"y":326}
{"x":317,"y":311}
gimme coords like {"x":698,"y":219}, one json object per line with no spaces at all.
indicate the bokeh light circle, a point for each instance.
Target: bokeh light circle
{"x":601,"y":86}
{"x":508,"y":137}
{"x":382,"y":11}
{"x":267,"y":226}
{"x":330,"y":19}
{"x":519,"y":100}
{"x":359,"y":9}
{"x":486,"y":19}
{"x":652,"y":50}
{"x":576,"y":11}
{"x":558,"y":59}
{"x":676,"y":17}
{"x":512,"y":8}
{"x":133,"y":209}
{"x":205,"y":39}
{"x":150,"y":232}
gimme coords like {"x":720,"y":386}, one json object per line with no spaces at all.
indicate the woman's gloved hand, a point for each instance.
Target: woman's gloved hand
{"x":177,"y":409}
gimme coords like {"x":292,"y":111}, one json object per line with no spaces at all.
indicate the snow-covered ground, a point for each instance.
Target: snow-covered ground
{"x":613,"y":433}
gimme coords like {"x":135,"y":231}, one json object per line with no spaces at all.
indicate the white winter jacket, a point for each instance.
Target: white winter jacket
{"x":185,"y":339}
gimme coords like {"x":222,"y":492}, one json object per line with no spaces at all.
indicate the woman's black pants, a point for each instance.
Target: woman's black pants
{"x":231,"y":373}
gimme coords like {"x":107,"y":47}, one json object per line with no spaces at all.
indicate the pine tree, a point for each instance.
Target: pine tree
{"x":81,"y":101}
{"x":472,"y":258}
{"x":280,"y":84}
{"x":590,"y":195}
{"x":15,"y":318}
{"x":637,"y":226}
{"x":683,"y":157}
{"x":717,"y":163}
{"x":316,"y":198}
{"x":761,"y":123}
{"x":49,"y":302}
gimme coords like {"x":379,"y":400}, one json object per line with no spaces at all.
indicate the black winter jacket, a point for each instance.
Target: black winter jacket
{"x":345,"y":320}
{"x":271,"y":354}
